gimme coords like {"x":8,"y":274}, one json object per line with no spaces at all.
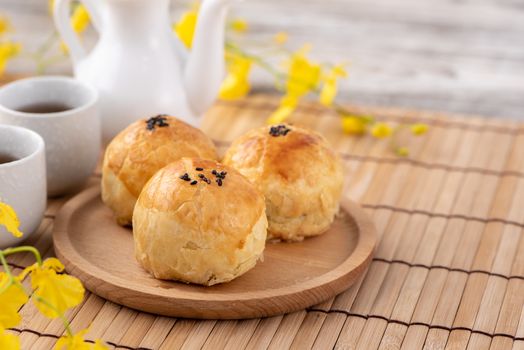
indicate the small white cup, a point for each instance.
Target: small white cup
{"x":72,"y":137}
{"x":22,"y":181}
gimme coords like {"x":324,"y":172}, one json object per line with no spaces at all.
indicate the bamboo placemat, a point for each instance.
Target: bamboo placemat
{"x":448,"y":271}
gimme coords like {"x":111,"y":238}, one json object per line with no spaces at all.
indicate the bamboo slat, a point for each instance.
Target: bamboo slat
{"x":448,"y":271}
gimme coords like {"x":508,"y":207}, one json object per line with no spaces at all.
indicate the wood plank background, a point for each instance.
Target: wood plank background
{"x":448,"y":55}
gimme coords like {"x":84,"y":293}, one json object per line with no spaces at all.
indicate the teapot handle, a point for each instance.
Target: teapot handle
{"x":61,"y":14}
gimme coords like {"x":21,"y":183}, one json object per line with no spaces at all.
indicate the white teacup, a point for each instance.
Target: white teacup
{"x":22,"y":179}
{"x":64,"y":112}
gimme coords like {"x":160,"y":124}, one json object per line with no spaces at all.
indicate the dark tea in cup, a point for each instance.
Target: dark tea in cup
{"x":44,"y":107}
{"x":6,"y":158}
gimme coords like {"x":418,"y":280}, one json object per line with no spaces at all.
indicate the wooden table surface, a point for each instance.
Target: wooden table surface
{"x":447,"y":55}
{"x":448,"y":271}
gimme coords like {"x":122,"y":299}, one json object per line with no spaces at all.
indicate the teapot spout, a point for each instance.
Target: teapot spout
{"x":205,"y":67}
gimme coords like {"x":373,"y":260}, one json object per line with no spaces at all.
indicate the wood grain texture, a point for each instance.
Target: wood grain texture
{"x":292,"y":276}
{"x":449,"y":266}
{"x":449,"y":55}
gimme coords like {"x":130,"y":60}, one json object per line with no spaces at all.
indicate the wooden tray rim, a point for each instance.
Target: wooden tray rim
{"x":337,"y":278}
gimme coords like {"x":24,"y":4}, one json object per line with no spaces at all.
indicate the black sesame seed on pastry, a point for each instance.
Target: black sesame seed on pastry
{"x":207,"y":232}
{"x":139,"y":151}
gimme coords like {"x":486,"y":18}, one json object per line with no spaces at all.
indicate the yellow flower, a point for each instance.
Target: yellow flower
{"x":381,"y":130}
{"x":236,"y":85}
{"x":12,"y":297}
{"x":281,"y":38}
{"x":77,"y":342}
{"x":9,"y":219}
{"x":80,"y":19}
{"x":239,"y":25}
{"x":354,"y":125}
{"x":288,"y":104}
{"x":402,"y":151}
{"x":8,"y":341}
{"x":419,"y":129}
{"x":303,"y":75}
{"x":50,"y":6}
{"x":54,"y":293}
{"x":329,"y":91}
{"x":64,"y":48}
{"x":8,"y":50}
{"x":185,"y":28}
{"x":5,"y":25}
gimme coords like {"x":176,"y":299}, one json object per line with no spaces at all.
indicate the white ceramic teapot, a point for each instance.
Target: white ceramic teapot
{"x":140,"y":67}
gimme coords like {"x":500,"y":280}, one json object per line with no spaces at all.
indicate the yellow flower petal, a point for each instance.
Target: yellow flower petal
{"x":9,"y":220}
{"x":353,"y":125}
{"x":303,"y":75}
{"x":236,"y":85}
{"x":280,"y":115}
{"x":281,"y":38}
{"x":99,"y":345}
{"x":50,"y":6}
{"x":49,"y":263}
{"x":330,"y":88}
{"x":288,"y":104}
{"x":64,"y":48}
{"x":234,"y":88}
{"x":80,"y":19}
{"x":77,"y":342}
{"x":58,"y":292}
{"x":402,"y":151}
{"x":339,"y":71}
{"x":304,"y":50}
{"x":381,"y":130}
{"x":9,"y":49}
{"x":5,"y":25}
{"x":185,"y":28}
{"x":9,"y":341}
{"x":239,"y":25}
{"x":419,"y":129}
{"x":329,"y":92}
{"x":53,"y":264}
{"x":12,"y":297}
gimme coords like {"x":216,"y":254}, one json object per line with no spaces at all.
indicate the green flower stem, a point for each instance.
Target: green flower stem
{"x":394,"y":144}
{"x":22,"y":249}
{"x":46,"y":45}
{"x":276,"y":74}
{"x":39,"y":55}
{"x":280,"y":77}
{"x":273,"y":51}
{"x":62,"y":317}
{"x":257,"y":59}
{"x":43,"y":64}
{"x":5,"y":265}
{"x":9,"y":251}
{"x":341,"y":110}
{"x":7,"y":272}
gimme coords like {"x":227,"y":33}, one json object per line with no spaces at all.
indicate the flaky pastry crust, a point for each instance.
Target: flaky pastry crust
{"x":194,"y":226}
{"x":299,"y":174}
{"x":142,"y":149}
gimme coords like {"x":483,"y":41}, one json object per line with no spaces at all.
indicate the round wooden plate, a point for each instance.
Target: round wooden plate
{"x":292,"y":276}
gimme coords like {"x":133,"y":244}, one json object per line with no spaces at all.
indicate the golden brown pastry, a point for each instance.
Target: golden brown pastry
{"x":139,"y":151}
{"x":300,"y":176}
{"x":199,"y":221}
